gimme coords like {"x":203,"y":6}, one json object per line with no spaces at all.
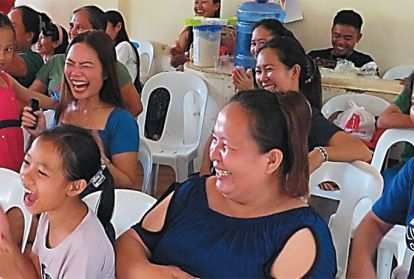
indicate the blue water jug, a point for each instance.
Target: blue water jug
{"x":248,"y":14}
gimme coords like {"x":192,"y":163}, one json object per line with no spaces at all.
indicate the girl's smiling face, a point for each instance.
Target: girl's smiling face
{"x":7,"y":45}
{"x":273,"y":75}
{"x":44,"y":178}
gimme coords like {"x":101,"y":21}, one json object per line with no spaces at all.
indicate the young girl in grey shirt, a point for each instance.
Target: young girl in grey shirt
{"x":71,"y":241}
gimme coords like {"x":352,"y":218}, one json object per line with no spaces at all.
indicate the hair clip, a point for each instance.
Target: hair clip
{"x":98,"y":178}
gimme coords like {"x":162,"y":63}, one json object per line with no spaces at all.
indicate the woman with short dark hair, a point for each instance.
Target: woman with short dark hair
{"x":248,"y":219}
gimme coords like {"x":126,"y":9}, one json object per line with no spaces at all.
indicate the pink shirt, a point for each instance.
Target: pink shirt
{"x":11,"y":138}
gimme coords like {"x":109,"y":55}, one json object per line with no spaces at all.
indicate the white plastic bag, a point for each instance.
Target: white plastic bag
{"x":357,"y":121}
{"x":369,"y":69}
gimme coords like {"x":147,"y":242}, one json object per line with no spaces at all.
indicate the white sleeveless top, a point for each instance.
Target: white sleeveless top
{"x":126,"y":55}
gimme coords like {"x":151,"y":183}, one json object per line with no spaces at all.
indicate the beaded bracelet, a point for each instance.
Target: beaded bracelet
{"x":323,"y":152}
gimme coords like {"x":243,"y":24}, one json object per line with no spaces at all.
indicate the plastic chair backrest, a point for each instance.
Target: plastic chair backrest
{"x":12,"y":195}
{"x":386,"y":141}
{"x":372,"y":104}
{"x":178,"y":85}
{"x":135,"y":43}
{"x":146,"y":58}
{"x":398,"y":72}
{"x":145,"y":157}
{"x":403,"y":270}
{"x":357,"y":181}
{"x":129,"y":207}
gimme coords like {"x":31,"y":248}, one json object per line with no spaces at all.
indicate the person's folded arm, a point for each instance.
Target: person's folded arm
{"x":177,"y":52}
{"x":38,"y":86}
{"x":124,"y":169}
{"x":131,"y":99}
{"x":343,"y":147}
{"x":364,"y":244}
{"x":392,"y":117}
{"x":24,"y":95}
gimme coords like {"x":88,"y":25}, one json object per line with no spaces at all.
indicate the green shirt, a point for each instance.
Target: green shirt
{"x":403,"y":102}
{"x":33,"y":64}
{"x":52,"y":72}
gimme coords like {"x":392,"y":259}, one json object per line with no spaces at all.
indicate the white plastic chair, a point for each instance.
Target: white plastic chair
{"x":135,"y":43}
{"x":145,"y":157}
{"x":402,"y":271}
{"x":130,"y":206}
{"x":146,"y":58}
{"x":399,"y":72}
{"x":175,"y":148}
{"x":372,"y":104}
{"x":393,"y":243}
{"x":357,"y":181}
{"x":12,"y":195}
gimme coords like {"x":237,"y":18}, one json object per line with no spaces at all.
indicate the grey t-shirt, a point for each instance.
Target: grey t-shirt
{"x":86,"y":253}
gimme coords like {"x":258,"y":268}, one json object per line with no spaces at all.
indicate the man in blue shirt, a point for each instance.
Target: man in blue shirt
{"x":396,"y":206}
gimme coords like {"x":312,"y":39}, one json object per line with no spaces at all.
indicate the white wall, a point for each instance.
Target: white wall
{"x":388,"y":27}
{"x":61,"y":10}
{"x":158,"y":21}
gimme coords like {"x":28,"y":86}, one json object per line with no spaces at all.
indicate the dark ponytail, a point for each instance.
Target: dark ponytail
{"x":82,"y":160}
{"x":297,"y":112}
{"x":106,"y":204}
{"x":281,"y":122}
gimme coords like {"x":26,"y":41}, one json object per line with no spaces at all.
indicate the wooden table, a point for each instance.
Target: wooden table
{"x":334,"y":84}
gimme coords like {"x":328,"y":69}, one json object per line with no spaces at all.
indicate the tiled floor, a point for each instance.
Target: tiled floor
{"x":165,"y":179}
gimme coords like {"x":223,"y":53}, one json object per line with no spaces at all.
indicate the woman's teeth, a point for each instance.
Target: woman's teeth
{"x":222,"y":173}
{"x":79,"y":84}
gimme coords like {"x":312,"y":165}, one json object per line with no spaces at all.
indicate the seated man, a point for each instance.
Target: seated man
{"x":394,"y":207}
{"x":345,"y":34}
